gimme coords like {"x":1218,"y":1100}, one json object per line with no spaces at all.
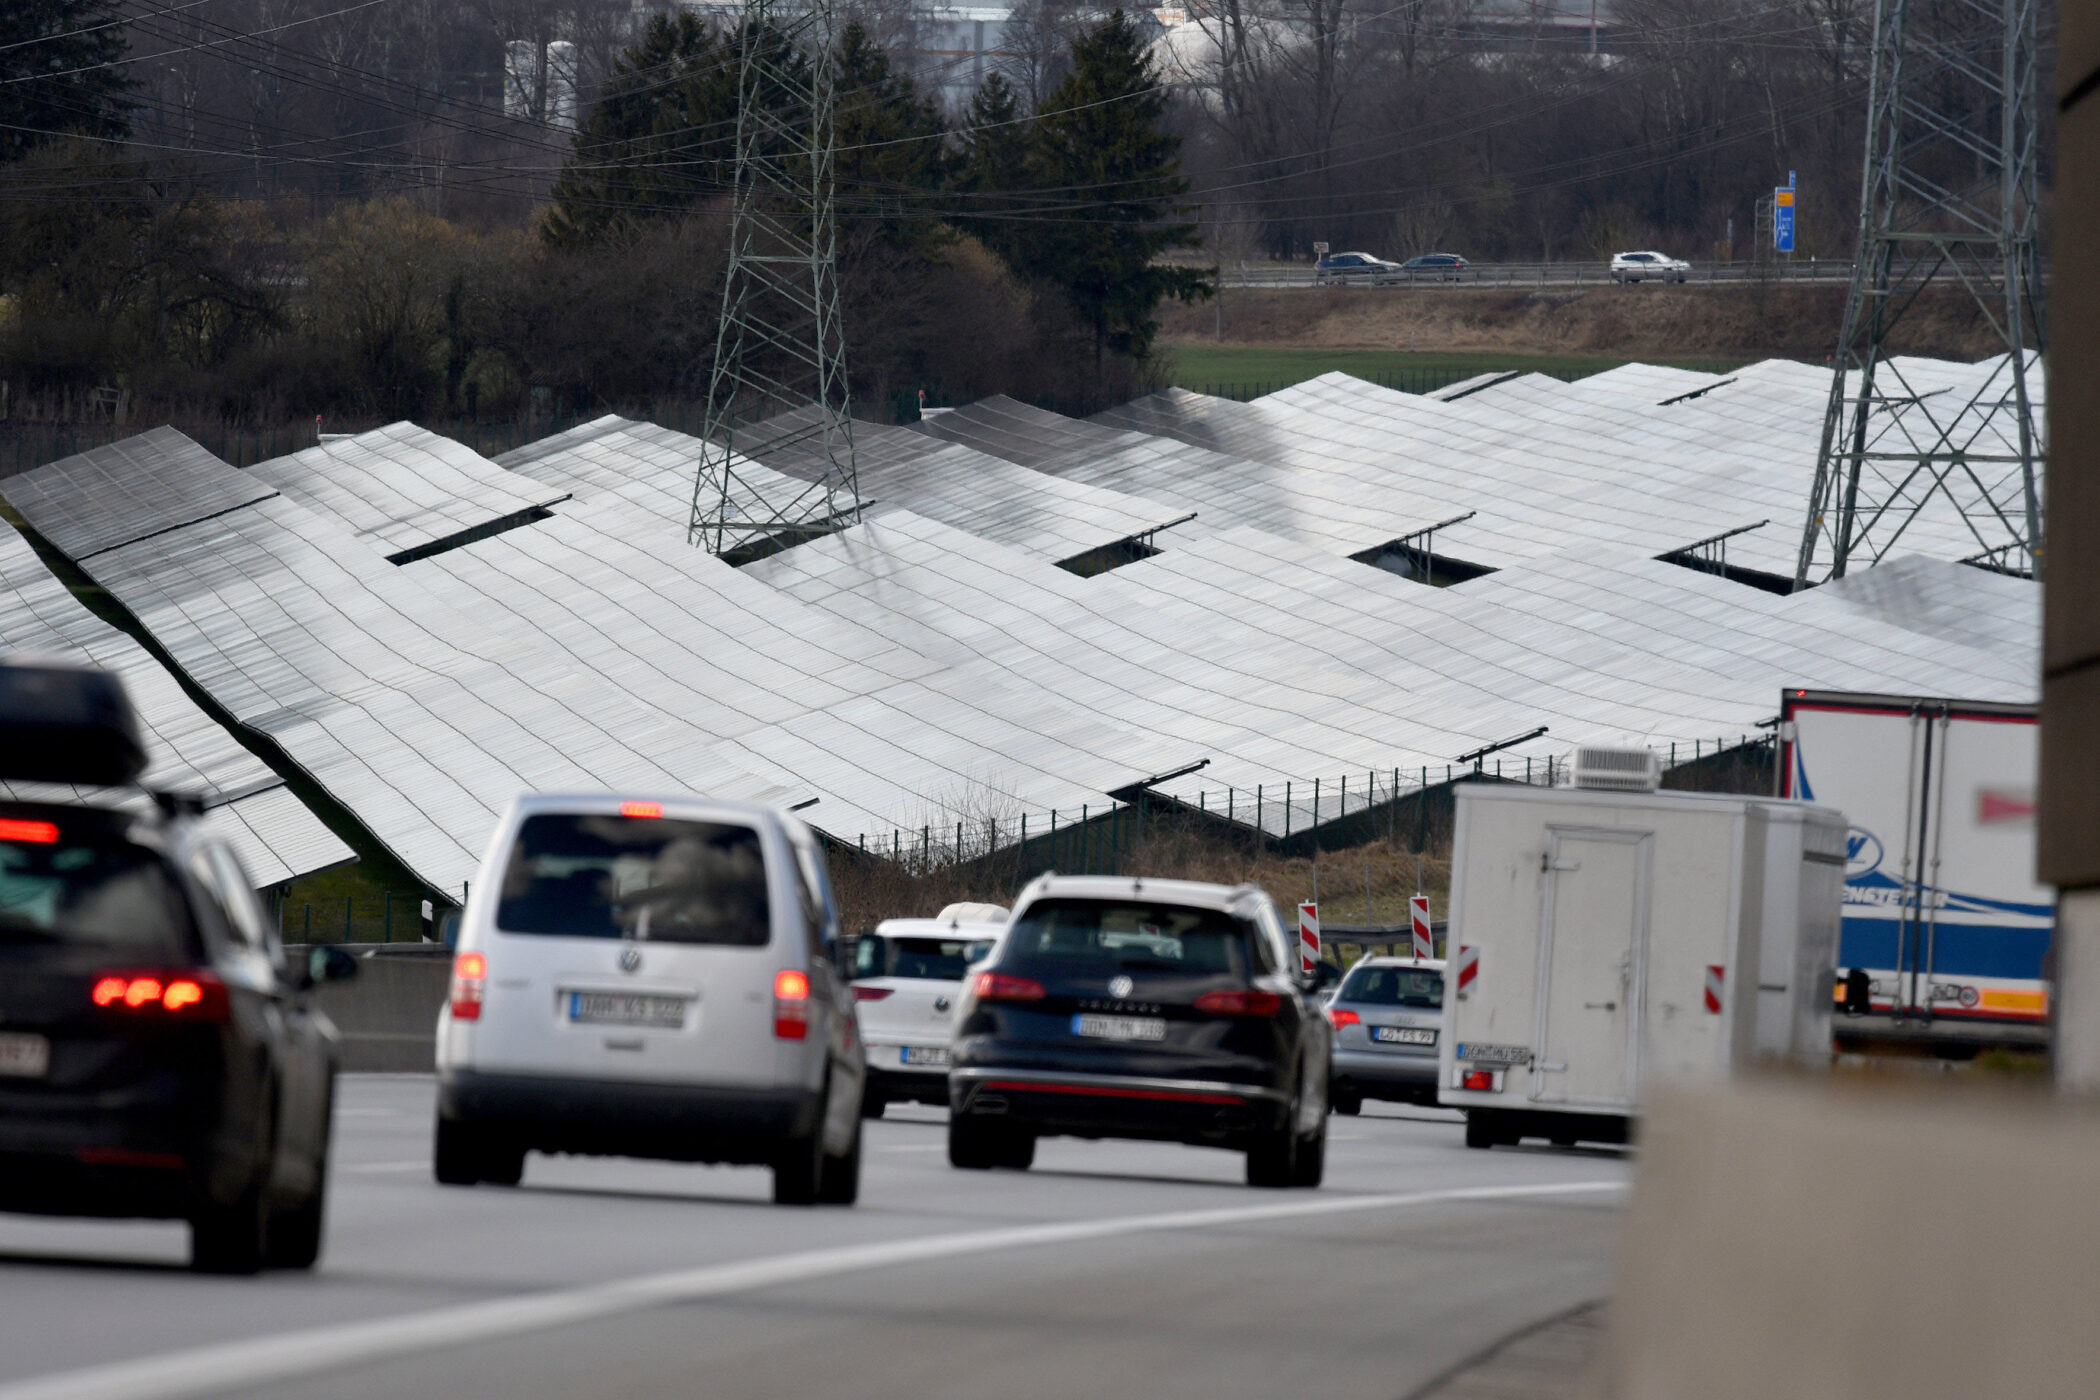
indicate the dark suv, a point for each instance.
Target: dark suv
{"x":156,"y":1058}
{"x":1131,"y":1008}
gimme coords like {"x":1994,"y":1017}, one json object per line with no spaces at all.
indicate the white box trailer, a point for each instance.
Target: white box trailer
{"x":1604,"y":940}
{"x":1943,"y":910}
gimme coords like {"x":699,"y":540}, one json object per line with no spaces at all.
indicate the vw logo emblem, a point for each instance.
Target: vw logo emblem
{"x":630,"y":960}
{"x":940,"y":1003}
{"x":1120,"y":986}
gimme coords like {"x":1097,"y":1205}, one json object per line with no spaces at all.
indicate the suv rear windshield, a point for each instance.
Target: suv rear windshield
{"x":1081,"y":936}
{"x":652,"y":878}
{"x":934,"y":959}
{"x":76,"y":882}
{"x":1393,"y":986}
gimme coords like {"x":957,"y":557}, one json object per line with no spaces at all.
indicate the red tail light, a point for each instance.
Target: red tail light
{"x":1240,"y":1003}
{"x":184,"y":995}
{"x":641,"y":809}
{"x":470,"y":982}
{"x":1482,"y":1079}
{"x":1343,"y":1017}
{"x":791,"y":1005}
{"x":998,"y":986}
{"x":871,"y":993}
{"x":33,"y":833}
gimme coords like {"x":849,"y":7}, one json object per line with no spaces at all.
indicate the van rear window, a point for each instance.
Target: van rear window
{"x":651,"y":878}
{"x":74,"y":882}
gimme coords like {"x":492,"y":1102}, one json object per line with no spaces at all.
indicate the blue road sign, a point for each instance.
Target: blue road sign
{"x":1783,"y":216}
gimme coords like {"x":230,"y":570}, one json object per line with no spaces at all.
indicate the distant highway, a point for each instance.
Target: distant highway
{"x":1553,"y":274}
{"x":1112,"y":1269}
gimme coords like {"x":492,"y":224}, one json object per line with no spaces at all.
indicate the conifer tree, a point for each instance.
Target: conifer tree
{"x":60,"y":73}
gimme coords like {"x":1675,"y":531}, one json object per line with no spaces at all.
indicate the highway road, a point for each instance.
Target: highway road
{"x":1111,"y":1269}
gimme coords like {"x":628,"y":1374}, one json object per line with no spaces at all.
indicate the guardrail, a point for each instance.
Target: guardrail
{"x":1547,"y":274}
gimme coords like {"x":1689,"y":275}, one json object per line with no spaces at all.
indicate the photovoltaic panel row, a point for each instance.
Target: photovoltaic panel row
{"x":188,"y":751}
{"x":402,"y":487}
{"x":988,"y":496}
{"x":129,"y":490}
{"x":651,"y":466}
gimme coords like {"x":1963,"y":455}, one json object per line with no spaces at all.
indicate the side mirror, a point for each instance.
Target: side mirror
{"x":328,"y":963}
{"x":1859,"y":992}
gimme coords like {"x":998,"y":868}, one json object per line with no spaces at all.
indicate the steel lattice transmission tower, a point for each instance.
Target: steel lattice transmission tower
{"x":780,"y":344}
{"x":1949,"y":201}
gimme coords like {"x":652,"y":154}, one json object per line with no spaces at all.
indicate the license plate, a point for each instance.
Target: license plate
{"x":1402,"y":1035}
{"x":1119,"y":1027}
{"x":1481,"y":1053}
{"x":924,"y":1055}
{"x":24,"y":1056}
{"x":626,"y":1009}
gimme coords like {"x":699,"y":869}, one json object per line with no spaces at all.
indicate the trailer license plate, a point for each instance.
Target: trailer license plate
{"x":1119,"y":1027}
{"x":1483,"y":1054}
{"x":24,"y":1056}
{"x":1403,"y":1035}
{"x":924,"y":1055}
{"x":626,"y":1009}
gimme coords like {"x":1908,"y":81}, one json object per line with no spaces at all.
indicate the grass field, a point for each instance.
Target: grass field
{"x":1242,"y":371}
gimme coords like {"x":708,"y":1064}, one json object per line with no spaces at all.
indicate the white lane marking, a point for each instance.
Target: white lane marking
{"x":367,"y":1112}
{"x":916,"y":1147}
{"x":286,"y":1356}
{"x":422,"y":1166}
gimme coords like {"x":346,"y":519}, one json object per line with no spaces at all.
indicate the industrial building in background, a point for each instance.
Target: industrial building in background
{"x":1949,"y":201}
{"x":780,"y":345}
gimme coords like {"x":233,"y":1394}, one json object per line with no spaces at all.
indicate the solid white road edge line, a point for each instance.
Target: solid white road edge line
{"x":286,"y":1356}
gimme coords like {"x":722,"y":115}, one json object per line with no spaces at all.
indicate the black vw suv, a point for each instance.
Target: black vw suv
{"x":156,"y":1057}
{"x":1130,"y":1008}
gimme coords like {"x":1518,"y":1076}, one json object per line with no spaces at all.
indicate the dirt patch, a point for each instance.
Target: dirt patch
{"x":1753,"y":322}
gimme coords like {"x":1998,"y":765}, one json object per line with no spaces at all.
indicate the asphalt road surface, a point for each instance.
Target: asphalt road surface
{"x":1111,"y":1269}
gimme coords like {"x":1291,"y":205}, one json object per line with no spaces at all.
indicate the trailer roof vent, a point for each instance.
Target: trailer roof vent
{"x":1610,"y":769}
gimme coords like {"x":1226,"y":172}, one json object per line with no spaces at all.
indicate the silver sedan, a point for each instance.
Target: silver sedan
{"x":1387,"y":1015}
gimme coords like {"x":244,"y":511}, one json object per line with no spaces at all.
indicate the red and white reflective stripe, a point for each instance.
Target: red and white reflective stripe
{"x":1716,"y":976}
{"x":1468,"y":967}
{"x":1309,"y":936}
{"x":1425,"y":939}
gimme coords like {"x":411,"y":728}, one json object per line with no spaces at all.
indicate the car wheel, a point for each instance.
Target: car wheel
{"x":839,"y":1183}
{"x":1480,"y":1129}
{"x":455,"y":1157}
{"x":1311,"y":1166}
{"x":798,"y":1171}
{"x":1272,"y":1157}
{"x":502,"y":1163}
{"x":293,"y":1233}
{"x":872,"y":1103}
{"x":1017,"y":1152}
{"x":1348,"y":1105}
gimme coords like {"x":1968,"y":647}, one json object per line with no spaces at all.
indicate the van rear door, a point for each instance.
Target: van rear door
{"x":630,"y":945}
{"x":1596,"y":918}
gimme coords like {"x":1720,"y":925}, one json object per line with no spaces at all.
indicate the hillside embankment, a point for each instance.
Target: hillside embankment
{"x":1747,"y":321}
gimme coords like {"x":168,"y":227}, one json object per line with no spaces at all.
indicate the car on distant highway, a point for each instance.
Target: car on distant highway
{"x":651,"y":977}
{"x":159,"y":1056}
{"x":1435,"y":267}
{"x":1648,"y":267}
{"x":907,"y":978}
{"x":1355,"y":267}
{"x":1121,"y":1007}
{"x":1388,"y":1015}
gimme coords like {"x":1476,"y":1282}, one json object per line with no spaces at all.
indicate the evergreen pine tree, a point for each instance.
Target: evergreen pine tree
{"x":58,"y":75}
{"x":1106,"y":193}
{"x":994,"y":168}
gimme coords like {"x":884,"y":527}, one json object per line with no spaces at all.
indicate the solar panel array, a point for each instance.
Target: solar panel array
{"x":275,"y":834}
{"x":934,"y":665}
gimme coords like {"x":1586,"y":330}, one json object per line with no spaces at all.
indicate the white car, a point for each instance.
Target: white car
{"x":1648,"y":267}
{"x":907,"y":978}
{"x":651,"y":977}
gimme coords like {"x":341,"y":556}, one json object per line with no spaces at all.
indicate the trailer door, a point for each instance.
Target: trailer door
{"x":1590,"y":963}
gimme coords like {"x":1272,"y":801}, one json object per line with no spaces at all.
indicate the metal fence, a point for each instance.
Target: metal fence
{"x":1296,"y":815}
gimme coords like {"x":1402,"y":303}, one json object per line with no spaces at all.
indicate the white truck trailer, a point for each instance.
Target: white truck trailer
{"x":1609,"y":935}
{"x":1944,"y":915}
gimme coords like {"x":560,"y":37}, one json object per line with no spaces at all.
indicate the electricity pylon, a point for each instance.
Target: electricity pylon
{"x":780,"y":344}
{"x":1948,"y":200}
